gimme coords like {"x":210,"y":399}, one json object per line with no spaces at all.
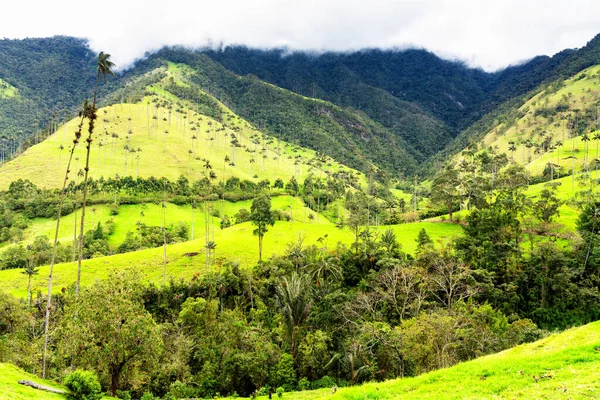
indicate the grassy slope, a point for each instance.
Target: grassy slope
{"x":168,"y":155}
{"x":571,"y":358}
{"x":10,"y":389}
{"x":162,"y":154}
{"x":129,"y":215}
{"x":6,"y":90}
{"x":581,"y":92}
{"x":235,"y":243}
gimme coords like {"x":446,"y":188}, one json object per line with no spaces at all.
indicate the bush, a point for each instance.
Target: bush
{"x":303,"y":384}
{"x":114,"y":209}
{"x":123,"y":395}
{"x":83,"y":385}
{"x":280,"y":391}
{"x":181,"y":390}
{"x":149,"y":396}
{"x":324,"y":382}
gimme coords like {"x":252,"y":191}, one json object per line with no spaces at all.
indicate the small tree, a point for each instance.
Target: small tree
{"x":444,"y":189}
{"x":29,"y":270}
{"x":546,"y":208}
{"x":262,"y":217}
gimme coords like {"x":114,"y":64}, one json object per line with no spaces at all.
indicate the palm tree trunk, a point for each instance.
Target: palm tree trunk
{"x":29,"y":292}
{"x":53,"y":258}
{"x":164,"y":242}
{"x":88,"y":147}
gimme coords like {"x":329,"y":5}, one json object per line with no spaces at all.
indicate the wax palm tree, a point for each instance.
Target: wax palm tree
{"x":104,"y":68}
{"x":29,"y":270}
{"x":558,"y":145}
{"x":207,"y":170}
{"x":210,"y":247}
{"x":61,"y":148}
{"x":585,"y":139}
{"x":137,"y":172}
{"x":512,"y":148}
{"x":61,"y":200}
{"x":596,"y":139}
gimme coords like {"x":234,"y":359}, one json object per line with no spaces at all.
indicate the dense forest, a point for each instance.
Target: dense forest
{"x":52,"y":76}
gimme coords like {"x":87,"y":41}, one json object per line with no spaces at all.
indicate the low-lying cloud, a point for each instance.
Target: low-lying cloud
{"x":486,"y":34}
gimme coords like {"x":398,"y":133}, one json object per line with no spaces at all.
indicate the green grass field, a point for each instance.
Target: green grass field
{"x":10,"y":389}
{"x":6,"y":90}
{"x":236,"y":243}
{"x":566,"y":366}
{"x":151,"y":214}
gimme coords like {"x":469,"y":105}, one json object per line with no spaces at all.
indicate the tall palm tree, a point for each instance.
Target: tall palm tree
{"x":104,"y":68}
{"x":207,"y":170}
{"x":29,"y":270}
{"x":61,"y":148}
{"x":512,"y":148}
{"x":596,"y":139}
{"x":61,"y":200}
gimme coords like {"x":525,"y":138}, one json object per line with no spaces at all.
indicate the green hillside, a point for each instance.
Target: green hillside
{"x":561,"y":366}
{"x":7,"y":90}
{"x":559,"y":125}
{"x":236,"y":244}
{"x":164,"y":143}
{"x":10,"y":389}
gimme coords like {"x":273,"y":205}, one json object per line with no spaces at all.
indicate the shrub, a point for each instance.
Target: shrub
{"x":324,"y":382}
{"x":83,"y":385}
{"x":303,"y":384}
{"x":181,"y":390}
{"x":114,"y":209}
{"x":280,"y":391}
{"x":123,"y":395}
{"x":149,"y":396}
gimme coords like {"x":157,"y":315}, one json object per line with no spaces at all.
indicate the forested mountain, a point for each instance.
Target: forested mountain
{"x":51,"y":77}
{"x":395,"y":109}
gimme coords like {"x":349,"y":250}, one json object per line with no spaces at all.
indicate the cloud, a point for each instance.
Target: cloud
{"x":483,"y":33}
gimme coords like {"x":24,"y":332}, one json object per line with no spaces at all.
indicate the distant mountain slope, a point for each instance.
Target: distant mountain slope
{"x":51,"y":75}
{"x":556,"y":131}
{"x":414,"y":81}
{"x":396,"y":110}
{"x":350,"y":137}
{"x":166,"y":136}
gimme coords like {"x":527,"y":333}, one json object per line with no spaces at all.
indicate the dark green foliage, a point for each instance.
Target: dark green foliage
{"x":262,"y":217}
{"x":44,"y":99}
{"x":83,"y":385}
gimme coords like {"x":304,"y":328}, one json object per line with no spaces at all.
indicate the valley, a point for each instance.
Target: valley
{"x":259,"y":223}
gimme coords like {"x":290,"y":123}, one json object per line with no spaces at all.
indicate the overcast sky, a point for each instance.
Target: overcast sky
{"x":486,"y":34}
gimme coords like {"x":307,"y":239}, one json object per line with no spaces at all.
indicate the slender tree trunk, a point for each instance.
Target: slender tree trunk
{"x":88,"y":147}
{"x":29,"y":292}
{"x":164,"y":237}
{"x":53,"y":258}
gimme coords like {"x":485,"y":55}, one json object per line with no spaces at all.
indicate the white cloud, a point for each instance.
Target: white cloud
{"x":487,"y":34}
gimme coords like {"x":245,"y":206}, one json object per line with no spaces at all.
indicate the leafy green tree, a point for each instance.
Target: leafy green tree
{"x":261,"y":217}
{"x":423,"y":240}
{"x":444,"y":189}
{"x":14,"y":257}
{"x":126,"y":340}
{"x":546,"y":208}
